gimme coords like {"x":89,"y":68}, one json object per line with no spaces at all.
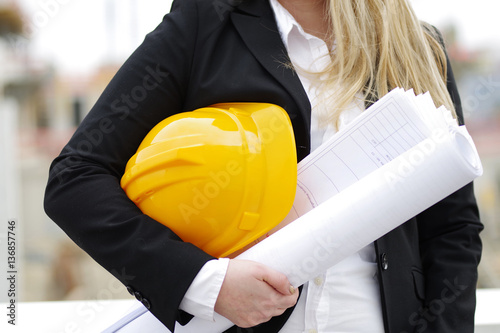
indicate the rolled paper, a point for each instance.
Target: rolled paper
{"x":370,"y":208}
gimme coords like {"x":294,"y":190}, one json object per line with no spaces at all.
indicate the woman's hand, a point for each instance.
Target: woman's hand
{"x":253,"y":293}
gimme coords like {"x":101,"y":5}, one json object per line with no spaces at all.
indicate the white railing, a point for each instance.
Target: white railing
{"x":95,"y":316}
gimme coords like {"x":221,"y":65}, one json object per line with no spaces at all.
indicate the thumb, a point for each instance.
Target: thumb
{"x":279,"y":282}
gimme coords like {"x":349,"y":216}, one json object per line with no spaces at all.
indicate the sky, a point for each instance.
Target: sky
{"x":78,"y":35}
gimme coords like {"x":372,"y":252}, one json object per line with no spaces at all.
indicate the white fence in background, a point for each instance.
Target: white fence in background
{"x":97,"y":315}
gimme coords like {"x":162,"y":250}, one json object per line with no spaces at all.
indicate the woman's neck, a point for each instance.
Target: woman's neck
{"x":311,"y":15}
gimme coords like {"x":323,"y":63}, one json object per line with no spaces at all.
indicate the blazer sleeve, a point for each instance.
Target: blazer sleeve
{"x":83,"y":195}
{"x":450,"y":248}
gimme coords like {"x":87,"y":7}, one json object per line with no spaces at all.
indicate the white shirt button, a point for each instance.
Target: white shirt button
{"x":318,"y":281}
{"x":312,"y":331}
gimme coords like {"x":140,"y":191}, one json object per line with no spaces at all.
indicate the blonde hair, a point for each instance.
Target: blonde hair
{"x":380,"y":45}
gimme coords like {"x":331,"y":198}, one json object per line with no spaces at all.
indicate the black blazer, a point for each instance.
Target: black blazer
{"x":207,"y":52}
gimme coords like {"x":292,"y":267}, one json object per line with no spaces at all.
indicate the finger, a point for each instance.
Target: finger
{"x":287,"y":301}
{"x":279,"y":282}
{"x":278,"y":301}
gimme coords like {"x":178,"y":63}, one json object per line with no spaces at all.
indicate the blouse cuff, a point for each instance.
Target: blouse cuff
{"x":201,"y":296}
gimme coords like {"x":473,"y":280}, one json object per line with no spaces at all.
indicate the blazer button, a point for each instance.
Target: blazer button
{"x":130,"y":290}
{"x":138,"y":296}
{"x":384,"y":262}
{"x":146,"y":303}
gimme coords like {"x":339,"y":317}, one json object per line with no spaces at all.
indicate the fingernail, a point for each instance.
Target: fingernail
{"x":292,"y":289}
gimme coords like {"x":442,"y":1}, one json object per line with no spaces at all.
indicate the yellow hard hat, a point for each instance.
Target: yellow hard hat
{"x":219,"y":177}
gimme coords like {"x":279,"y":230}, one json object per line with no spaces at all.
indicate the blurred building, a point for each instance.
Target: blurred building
{"x":478,"y":78}
{"x":39,"y":111}
{"x":10,"y":26}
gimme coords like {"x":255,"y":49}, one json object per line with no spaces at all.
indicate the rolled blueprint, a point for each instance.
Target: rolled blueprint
{"x":370,"y":208}
{"x":364,"y":211}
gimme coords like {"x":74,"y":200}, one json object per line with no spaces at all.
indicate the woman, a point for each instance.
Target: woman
{"x":318,"y":60}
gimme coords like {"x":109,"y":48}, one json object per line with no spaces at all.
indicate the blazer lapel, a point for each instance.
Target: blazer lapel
{"x":254,"y":21}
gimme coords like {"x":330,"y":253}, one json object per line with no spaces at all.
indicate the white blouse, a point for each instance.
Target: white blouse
{"x":345,"y":298}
